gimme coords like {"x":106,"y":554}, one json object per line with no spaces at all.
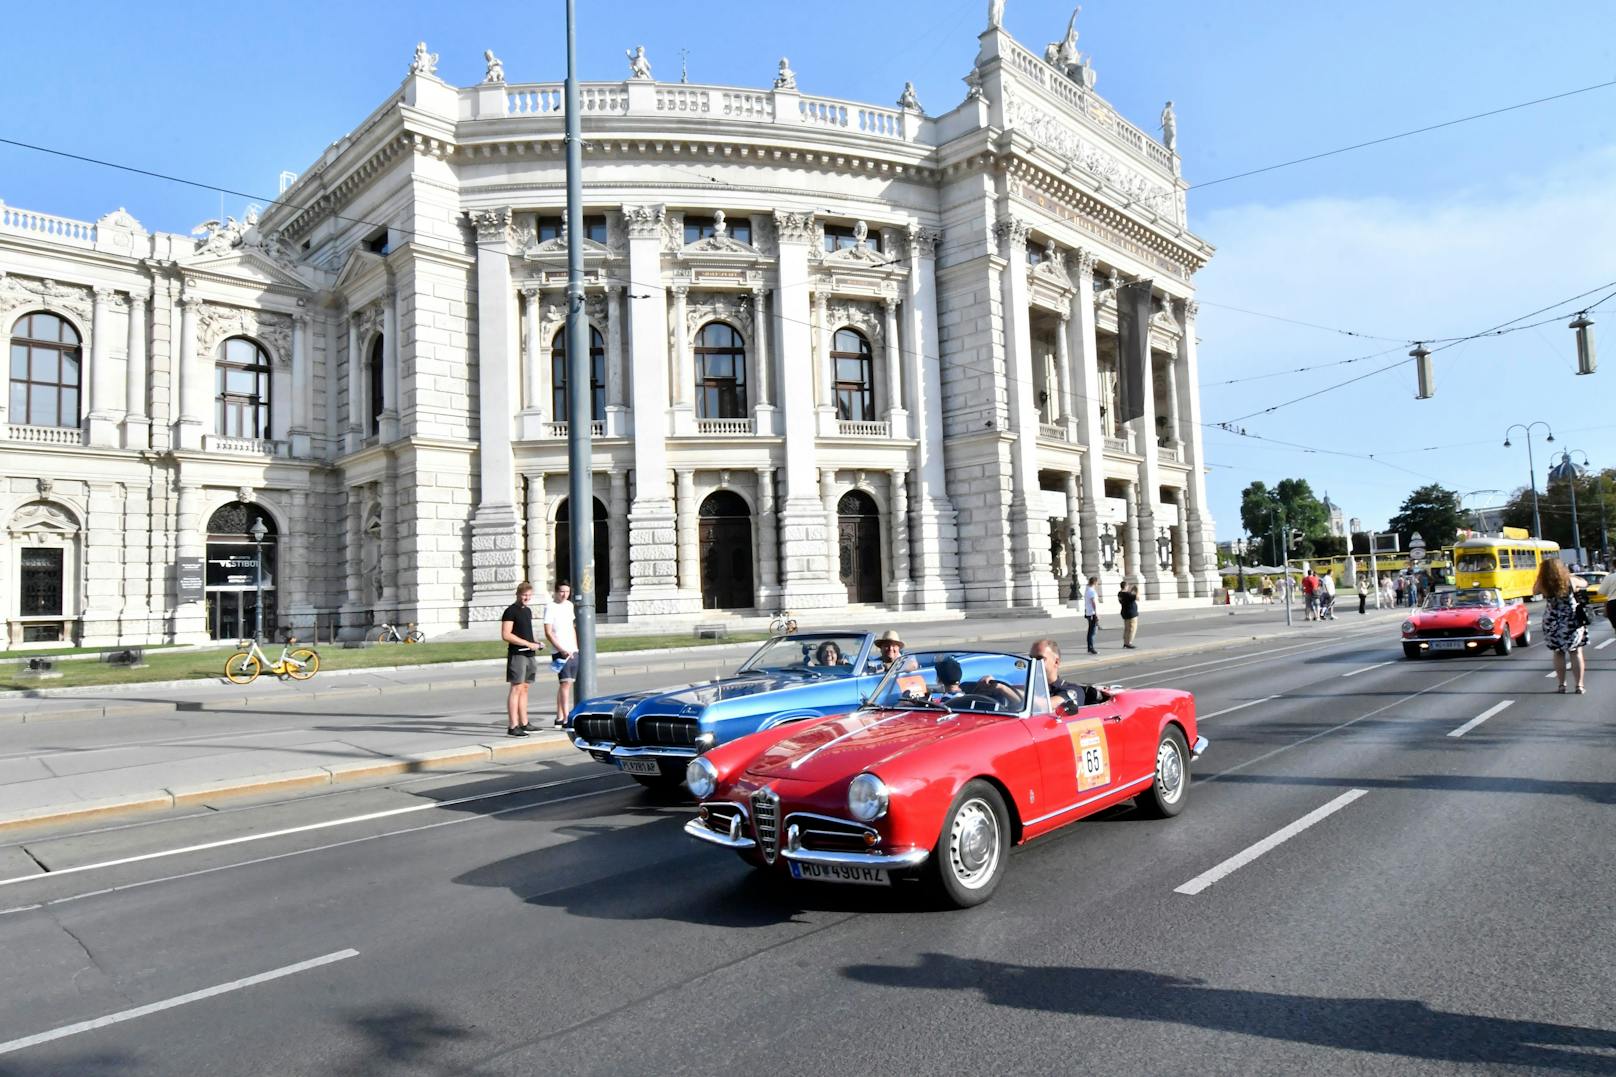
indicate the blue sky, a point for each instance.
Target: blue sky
{"x":1436,"y":236}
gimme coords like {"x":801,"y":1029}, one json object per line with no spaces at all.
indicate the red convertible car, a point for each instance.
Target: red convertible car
{"x":956,"y":757}
{"x":1466,"y":621}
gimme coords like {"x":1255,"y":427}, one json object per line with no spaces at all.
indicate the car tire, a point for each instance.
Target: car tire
{"x":968,"y":860}
{"x":1170,"y":786}
{"x":1526,"y":637}
{"x":1411,"y":650}
{"x":1505,"y":643}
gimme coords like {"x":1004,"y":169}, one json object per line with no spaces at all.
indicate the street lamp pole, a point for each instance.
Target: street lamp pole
{"x":1531,"y":468}
{"x":1567,"y":469}
{"x":258,"y":531}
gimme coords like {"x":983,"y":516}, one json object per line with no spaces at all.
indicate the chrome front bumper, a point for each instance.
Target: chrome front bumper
{"x":617,"y":751}
{"x":793,"y":850}
{"x":1200,"y":746}
{"x":698,"y":829}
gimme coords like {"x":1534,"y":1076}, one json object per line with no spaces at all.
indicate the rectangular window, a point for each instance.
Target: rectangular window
{"x":594,"y":228}
{"x":41,"y":584}
{"x":1476,"y":562}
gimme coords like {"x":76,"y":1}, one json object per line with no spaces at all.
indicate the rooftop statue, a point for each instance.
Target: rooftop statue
{"x":1069,"y":57}
{"x":995,"y":14}
{"x":1169,"y":127}
{"x":496,"y":69}
{"x":787,"y":78}
{"x":424,"y":63}
{"x":908,"y":100}
{"x":638,"y":66}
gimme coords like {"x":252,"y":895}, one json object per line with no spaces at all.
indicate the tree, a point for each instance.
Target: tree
{"x":1596,"y":506}
{"x":1431,"y":510}
{"x":1262,"y":510}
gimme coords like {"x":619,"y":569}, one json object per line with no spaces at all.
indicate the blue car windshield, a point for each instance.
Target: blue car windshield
{"x":958,"y":681}
{"x":818,"y":655}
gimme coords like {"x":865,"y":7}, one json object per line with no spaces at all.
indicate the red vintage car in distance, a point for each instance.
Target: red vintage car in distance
{"x":956,"y":757}
{"x":1466,"y":621}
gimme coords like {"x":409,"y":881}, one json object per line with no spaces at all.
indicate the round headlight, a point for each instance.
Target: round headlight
{"x":1408,"y":626}
{"x":701,"y":777}
{"x":1485,"y":624}
{"x":867,"y":798}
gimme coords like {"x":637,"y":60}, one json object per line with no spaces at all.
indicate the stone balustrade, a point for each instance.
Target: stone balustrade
{"x":1170,"y":454}
{"x":57,"y":229}
{"x":1122,"y":444}
{"x":860,"y":429}
{"x":1052,"y":431}
{"x":245,"y":446}
{"x":597,"y":429}
{"x":45,"y":435}
{"x":724,"y":427}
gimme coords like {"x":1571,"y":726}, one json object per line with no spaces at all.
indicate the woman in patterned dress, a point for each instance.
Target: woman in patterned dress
{"x":1566,"y":636}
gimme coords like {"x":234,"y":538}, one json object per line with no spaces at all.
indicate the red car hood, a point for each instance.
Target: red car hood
{"x":863,"y":740}
{"x":1465,"y":618}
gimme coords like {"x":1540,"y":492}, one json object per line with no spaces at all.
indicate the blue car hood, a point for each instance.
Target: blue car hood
{"x":704,"y":694}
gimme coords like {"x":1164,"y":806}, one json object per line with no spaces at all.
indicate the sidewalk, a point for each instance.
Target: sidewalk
{"x":202,"y":744}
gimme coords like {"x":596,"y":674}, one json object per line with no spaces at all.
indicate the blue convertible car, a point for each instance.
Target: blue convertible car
{"x":653,"y":735}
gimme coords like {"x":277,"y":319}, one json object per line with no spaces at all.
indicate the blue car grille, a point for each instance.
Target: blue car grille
{"x":668,"y":731}
{"x":622,"y":727}
{"x":594,"y":727}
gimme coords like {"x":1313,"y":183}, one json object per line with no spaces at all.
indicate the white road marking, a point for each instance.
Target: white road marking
{"x":1480,"y":718}
{"x":169,"y":1004}
{"x":1231,"y":710}
{"x":1278,"y":837}
{"x":1607,"y":643}
{"x":1548,"y":676}
{"x":1366,"y":669}
{"x":325,"y":825}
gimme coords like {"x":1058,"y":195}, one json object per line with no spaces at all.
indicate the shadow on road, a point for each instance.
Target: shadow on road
{"x":1400,"y":1027}
{"x":1593,"y":792}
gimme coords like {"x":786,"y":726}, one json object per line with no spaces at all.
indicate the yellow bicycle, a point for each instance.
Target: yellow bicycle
{"x":244,"y":666}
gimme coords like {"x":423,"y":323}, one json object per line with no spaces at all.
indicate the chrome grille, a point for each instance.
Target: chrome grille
{"x":668,"y":731}
{"x":720,"y":815}
{"x":593,"y":727}
{"x":830,"y":835}
{"x":622,"y":727}
{"x":766,"y":822}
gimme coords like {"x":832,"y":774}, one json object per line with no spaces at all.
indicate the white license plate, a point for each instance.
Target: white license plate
{"x":1448,"y":645}
{"x":639,"y":766}
{"x":839,"y":873}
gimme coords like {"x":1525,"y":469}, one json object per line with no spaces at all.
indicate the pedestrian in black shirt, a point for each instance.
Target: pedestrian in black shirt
{"x":521,"y":658}
{"x":1129,"y":598}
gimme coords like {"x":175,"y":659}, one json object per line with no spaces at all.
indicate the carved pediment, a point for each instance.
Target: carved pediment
{"x":249,"y":265}
{"x":38,"y":517}
{"x":26,"y":291}
{"x":216,"y":323}
{"x":360,"y":266}
{"x":554,"y":249}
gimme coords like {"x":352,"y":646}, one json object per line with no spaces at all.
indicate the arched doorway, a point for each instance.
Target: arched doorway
{"x":563,"y":557}
{"x":859,"y":546}
{"x":726,"y":552}
{"x":235,"y":576}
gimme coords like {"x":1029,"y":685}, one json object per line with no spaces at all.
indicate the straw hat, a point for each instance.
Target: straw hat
{"x":889,"y":636}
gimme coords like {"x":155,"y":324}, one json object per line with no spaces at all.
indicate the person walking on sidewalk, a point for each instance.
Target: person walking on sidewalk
{"x":1565,"y":622}
{"x":561,"y":630}
{"x":1363,"y":595}
{"x":1091,"y":610}
{"x":1310,"y":596}
{"x":521,"y":658}
{"x":1327,"y":596}
{"x":1129,"y":597}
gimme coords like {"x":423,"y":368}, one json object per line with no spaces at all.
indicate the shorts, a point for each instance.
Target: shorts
{"x":565,"y":669}
{"x":521,"y":669}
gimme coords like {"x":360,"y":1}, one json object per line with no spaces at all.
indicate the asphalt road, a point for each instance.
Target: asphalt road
{"x":1447,"y":910}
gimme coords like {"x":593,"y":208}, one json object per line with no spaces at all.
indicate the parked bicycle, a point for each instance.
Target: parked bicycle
{"x":783,"y":623}
{"x":244,"y":666}
{"x":391,"y":634}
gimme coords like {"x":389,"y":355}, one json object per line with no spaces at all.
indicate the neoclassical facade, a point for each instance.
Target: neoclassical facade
{"x":842,"y":357}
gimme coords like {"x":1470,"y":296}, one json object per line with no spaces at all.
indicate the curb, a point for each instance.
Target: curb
{"x":336,"y":774}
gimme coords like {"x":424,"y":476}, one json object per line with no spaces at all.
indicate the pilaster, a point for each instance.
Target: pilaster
{"x":933,"y":523}
{"x":495,"y":529}
{"x":898,"y":528}
{"x":1030,"y":581}
{"x":1083,"y":345}
{"x":1197,"y":517}
{"x":136,"y":419}
{"x":768,"y":532}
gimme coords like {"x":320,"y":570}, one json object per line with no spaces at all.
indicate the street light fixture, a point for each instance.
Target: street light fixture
{"x":1586,"y":361}
{"x":1531,"y":468}
{"x":1568,"y":470}
{"x":258,"y":531}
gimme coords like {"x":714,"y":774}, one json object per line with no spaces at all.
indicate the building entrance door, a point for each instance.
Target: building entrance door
{"x":725,"y":539}
{"x":237,"y":570}
{"x":859,"y":547}
{"x":563,"y":557}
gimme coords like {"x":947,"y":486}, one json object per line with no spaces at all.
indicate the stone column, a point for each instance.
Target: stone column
{"x":160,"y":366}
{"x":535,"y":370}
{"x":617,"y":525}
{"x":763,"y":363}
{"x":1084,"y":348}
{"x":803,"y":564}
{"x":1197,"y":518}
{"x":390,"y":426}
{"x":282,"y":401}
{"x":1145,"y":441}
{"x":1028,"y":532}
{"x":833,"y":530}
{"x":653,"y":537}
{"x":295,"y":590}
{"x":826,"y":369}
{"x":356,"y":387}
{"x":1063,"y":379}
{"x":935,"y":569}
{"x":195,"y":383}
{"x":302,"y":388}
{"x":537,"y":530}
{"x":768,"y":532}
{"x":1175,"y":430}
{"x":689,"y":539}
{"x":616,"y":379}
{"x":1131,"y":537}
{"x":684,"y":377}
{"x":495,"y":530}
{"x":897,"y":412}
{"x":103,"y":410}
{"x":190,"y":618}
{"x":388,"y":492}
{"x":355,"y":608}
{"x":898,"y":524}
{"x":136,"y":424}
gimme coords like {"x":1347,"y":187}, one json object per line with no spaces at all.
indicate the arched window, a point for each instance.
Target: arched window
{"x":597,"y":376}
{"x":241,"y":386}
{"x":47,"y":362}
{"x":375,"y":371}
{"x":855,"y":376}
{"x":720,"y":372}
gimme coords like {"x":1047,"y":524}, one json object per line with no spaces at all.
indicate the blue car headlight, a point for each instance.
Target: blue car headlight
{"x":701,"y":777}
{"x":867,"y":798}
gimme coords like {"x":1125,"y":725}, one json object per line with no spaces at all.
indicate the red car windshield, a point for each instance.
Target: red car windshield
{"x":1470,"y":598}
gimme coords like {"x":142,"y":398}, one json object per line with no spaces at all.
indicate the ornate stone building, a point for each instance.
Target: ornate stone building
{"x":841,"y":356}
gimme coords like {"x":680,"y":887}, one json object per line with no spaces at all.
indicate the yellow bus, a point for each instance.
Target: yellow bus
{"x":1509,"y":564}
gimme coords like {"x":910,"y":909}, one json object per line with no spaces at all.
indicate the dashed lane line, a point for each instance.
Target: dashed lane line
{"x":179,"y":1000}
{"x":1236,"y":707}
{"x":1366,"y":669}
{"x":1272,"y":841}
{"x":1480,"y":718}
{"x":1607,"y":643}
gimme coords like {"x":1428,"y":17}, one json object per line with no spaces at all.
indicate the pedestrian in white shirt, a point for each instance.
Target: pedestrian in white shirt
{"x":1091,"y":610}
{"x":561,"y":632}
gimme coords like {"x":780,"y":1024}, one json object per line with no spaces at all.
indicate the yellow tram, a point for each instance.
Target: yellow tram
{"x":1509,"y":564}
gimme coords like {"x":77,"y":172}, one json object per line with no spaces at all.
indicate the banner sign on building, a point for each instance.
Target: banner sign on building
{"x":1133,"y":325}
{"x":188,"y":570}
